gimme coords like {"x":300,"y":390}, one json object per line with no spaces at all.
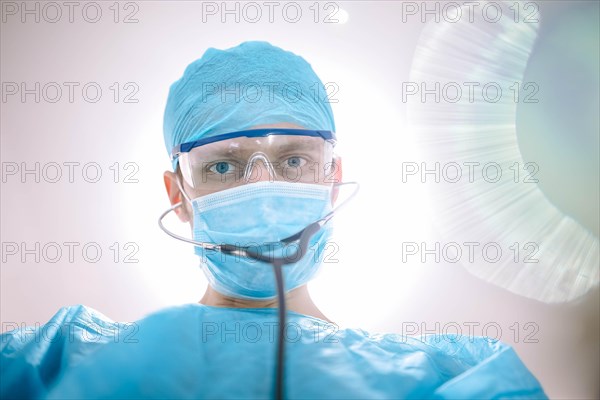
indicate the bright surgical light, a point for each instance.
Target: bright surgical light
{"x":541,"y":252}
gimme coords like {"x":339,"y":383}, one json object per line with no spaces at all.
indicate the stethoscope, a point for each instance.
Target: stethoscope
{"x":300,"y":240}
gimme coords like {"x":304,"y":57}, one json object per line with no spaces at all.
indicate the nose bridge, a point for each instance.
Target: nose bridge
{"x":266,"y":172}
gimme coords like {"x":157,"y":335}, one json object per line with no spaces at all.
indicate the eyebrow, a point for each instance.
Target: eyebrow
{"x":303,"y":145}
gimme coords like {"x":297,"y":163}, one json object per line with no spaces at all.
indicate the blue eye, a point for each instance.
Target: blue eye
{"x":221,"y":167}
{"x":294,"y":162}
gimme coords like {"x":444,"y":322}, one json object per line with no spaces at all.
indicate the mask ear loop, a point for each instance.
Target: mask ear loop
{"x":180,"y":186}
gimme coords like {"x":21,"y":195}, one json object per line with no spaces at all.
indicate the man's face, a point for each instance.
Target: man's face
{"x":230,"y":163}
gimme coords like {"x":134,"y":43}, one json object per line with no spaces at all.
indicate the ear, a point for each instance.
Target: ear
{"x":337,"y":177}
{"x":175,"y":196}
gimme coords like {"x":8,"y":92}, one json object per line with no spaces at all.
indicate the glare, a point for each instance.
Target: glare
{"x":366,"y":269}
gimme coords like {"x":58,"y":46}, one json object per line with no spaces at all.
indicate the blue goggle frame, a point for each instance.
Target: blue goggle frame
{"x":186,"y":147}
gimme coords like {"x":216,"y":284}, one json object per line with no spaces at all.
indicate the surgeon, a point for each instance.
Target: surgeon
{"x":256,"y":165}
{"x":251,"y":139}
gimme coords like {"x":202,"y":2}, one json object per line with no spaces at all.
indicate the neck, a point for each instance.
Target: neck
{"x":297,"y":300}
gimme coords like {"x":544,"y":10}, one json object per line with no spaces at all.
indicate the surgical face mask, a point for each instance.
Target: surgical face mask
{"x":259,"y":215}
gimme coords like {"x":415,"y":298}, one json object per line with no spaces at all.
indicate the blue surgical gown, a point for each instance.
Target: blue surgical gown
{"x":198,"y":351}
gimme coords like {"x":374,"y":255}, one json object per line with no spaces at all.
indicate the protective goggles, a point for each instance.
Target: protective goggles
{"x":232,"y":159}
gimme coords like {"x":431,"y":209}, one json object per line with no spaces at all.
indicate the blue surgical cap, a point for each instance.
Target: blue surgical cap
{"x":254,"y":83}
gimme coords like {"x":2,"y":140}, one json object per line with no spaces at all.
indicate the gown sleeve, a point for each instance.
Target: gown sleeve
{"x":494,"y":370}
{"x":33,"y":358}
